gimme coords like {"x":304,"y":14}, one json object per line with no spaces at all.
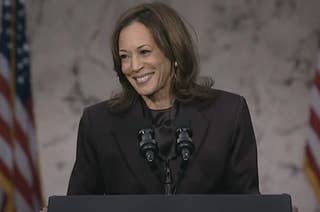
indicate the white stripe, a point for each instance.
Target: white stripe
{"x":314,"y":143}
{"x":21,"y":205}
{"x":26,"y":125}
{"x":23,"y":164}
{"x":315,"y":100}
{"x":5,"y":111}
{"x":4,"y":68}
{"x":6,"y":154}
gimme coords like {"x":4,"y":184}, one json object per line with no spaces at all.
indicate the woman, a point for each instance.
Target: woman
{"x":157,"y":66}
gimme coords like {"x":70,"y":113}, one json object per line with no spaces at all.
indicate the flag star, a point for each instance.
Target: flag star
{"x":21,"y":79}
{"x":6,"y":3}
{"x":7,"y":16}
{"x":26,"y":61}
{"x":25,"y":47}
{"x":19,"y":51}
{"x":20,"y":66}
{"x":8,"y":32}
{"x":20,"y":13}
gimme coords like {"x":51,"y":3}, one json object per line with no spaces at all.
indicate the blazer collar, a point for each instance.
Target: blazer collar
{"x":136,"y":118}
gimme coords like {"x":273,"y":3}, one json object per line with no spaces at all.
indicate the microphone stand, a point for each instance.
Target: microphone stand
{"x":167,"y":178}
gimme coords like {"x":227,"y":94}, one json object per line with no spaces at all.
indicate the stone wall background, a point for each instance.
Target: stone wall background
{"x":263,"y":50}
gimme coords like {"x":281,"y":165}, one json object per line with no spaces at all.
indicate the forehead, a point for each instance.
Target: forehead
{"x":134,"y":35}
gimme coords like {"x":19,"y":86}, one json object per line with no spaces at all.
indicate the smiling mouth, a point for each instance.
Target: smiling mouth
{"x":143,"y":79}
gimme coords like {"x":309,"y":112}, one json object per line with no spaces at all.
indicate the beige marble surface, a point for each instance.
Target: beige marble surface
{"x":263,"y":50}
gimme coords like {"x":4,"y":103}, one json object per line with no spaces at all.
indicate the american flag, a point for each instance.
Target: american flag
{"x":312,"y":153}
{"x":19,"y":169}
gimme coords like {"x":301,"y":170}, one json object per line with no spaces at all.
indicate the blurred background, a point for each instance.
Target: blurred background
{"x":266,"y":51}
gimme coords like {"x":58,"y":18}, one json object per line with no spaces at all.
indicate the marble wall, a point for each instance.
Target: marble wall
{"x":263,"y":50}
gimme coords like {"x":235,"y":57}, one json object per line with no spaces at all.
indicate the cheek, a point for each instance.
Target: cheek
{"x":124,"y":68}
{"x":165,"y":70}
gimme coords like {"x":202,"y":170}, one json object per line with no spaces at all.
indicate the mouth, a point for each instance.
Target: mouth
{"x":143,"y":78}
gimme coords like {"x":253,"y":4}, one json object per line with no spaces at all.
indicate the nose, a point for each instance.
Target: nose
{"x":136,"y":63}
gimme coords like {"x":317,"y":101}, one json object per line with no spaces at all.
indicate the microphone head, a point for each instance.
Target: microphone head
{"x":184,"y":144}
{"x":146,"y":141}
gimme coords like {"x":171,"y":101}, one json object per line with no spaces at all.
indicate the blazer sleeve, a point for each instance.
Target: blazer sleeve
{"x":242,"y":169}
{"x":85,"y":177}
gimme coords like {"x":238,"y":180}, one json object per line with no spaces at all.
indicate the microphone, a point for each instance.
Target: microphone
{"x":184,"y":145}
{"x":147,"y":145}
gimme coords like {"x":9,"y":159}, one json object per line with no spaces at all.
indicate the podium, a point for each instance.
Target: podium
{"x":171,"y":203}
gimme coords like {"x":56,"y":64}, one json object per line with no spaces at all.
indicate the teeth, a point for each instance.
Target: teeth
{"x":143,"y":78}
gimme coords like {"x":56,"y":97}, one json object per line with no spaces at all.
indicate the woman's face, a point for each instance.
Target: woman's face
{"x":145,"y":66}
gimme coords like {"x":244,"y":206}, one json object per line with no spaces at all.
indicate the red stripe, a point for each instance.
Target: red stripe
{"x":317,"y":80}
{"x":312,"y":164}
{"x":5,"y":132}
{"x":315,"y":122}
{"x":5,"y":170}
{"x":5,"y":89}
{"x":22,"y":140}
{"x":23,"y":188}
{"x":29,"y":109}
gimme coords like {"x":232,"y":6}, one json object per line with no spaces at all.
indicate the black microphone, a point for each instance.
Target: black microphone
{"x":147,"y":145}
{"x":184,"y":144}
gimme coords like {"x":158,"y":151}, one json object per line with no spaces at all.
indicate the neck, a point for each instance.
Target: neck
{"x":158,"y":103}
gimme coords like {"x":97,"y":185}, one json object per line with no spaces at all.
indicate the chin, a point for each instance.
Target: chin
{"x":146,"y":91}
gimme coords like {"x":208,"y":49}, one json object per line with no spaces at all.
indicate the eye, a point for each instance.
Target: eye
{"x":123,"y":56}
{"x":145,"y":51}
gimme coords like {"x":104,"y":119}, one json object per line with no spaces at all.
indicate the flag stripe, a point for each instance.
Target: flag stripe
{"x":6,"y":154}
{"x":4,"y":89}
{"x":313,"y":142}
{"x":29,"y":167}
{"x":312,"y":161}
{"x":315,"y":123}
{"x":22,"y":205}
{"x":26,"y":131}
{"x":317,"y":80}
{"x":5,"y":170}
{"x":312,"y":148}
{"x":5,"y":111}
{"x":315,"y":100}
{"x":22,"y":186}
{"x":5,"y":132}
{"x":312,"y":177}
{"x":22,"y":164}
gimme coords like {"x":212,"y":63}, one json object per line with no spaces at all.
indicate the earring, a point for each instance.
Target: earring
{"x":175,"y":64}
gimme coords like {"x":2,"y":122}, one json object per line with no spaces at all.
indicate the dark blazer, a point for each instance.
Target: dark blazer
{"x":224,"y":161}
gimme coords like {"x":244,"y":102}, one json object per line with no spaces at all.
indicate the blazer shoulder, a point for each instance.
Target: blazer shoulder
{"x":98,"y":113}
{"x":225,"y":99}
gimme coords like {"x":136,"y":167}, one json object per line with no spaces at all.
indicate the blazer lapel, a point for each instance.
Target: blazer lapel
{"x":125,"y":130}
{"x":199,"y":126}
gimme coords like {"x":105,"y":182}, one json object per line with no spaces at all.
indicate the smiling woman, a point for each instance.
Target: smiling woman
{"x":201,"y":136}
{"x":144,"y":65}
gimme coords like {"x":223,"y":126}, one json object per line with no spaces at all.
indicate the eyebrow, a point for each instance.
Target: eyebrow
{"x":139,"y":47}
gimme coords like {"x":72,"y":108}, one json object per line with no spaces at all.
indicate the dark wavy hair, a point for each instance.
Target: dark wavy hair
{"x":174,"y":40}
